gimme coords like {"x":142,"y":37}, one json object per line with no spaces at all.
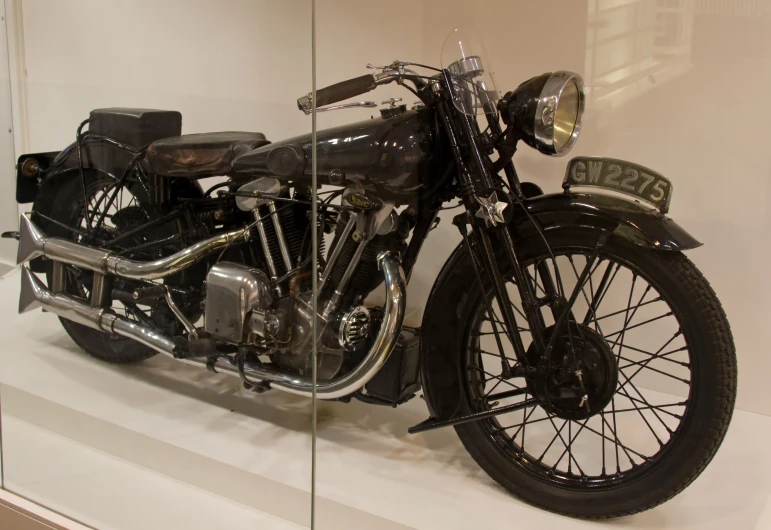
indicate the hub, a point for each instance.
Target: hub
{"x":580,"y":376}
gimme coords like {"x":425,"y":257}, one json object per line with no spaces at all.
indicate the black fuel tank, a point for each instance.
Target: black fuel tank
{"x":385,"y":156}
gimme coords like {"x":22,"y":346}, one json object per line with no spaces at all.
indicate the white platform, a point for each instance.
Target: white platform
{"x":176,"y":447}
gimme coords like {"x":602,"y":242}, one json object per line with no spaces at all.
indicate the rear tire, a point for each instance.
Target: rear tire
{"x":64,"y":202}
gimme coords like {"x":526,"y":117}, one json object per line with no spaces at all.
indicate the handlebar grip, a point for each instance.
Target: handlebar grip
{"x":339,"y":92}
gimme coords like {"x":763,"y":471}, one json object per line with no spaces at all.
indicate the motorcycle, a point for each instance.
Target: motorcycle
{"x":584,"y":362}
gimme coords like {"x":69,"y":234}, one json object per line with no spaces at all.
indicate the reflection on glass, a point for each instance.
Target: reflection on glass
{"x":633,"y":45}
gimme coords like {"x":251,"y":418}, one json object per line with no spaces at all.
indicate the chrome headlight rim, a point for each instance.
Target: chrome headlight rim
{"x":546,"y":108}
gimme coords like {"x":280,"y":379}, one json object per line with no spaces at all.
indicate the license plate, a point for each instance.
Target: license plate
{"x":621,"y":176}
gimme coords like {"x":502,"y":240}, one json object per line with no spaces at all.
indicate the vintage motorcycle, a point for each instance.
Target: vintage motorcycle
{"x":584,"y":362}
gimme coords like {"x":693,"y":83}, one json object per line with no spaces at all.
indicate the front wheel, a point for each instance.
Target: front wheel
{"x":636,"y":395}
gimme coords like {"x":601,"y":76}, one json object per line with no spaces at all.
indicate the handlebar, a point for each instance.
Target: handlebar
{"x":338,"y":92}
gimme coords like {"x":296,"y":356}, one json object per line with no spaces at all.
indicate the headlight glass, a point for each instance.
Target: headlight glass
{"x":546,"y":111}
{"x":566,"y":115}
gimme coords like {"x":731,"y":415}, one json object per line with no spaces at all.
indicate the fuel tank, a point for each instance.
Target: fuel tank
{"x":386,"y":156}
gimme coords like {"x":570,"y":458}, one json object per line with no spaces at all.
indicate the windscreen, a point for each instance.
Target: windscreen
{"x":465,"y":57}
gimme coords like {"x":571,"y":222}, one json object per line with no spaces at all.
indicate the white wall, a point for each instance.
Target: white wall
{"x":691,"y":101}
{"x":226,"y":65}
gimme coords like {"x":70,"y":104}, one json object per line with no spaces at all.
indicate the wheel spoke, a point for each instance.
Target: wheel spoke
{"x":645,"y":401}
{"x":529,"y":422}
{"x":535,"y":280}
{"x":669,"y":314}
{"x":558,"y":435}
{"x":613,"y":430}
{"x":492,"y":376}
{"x":589,"y":279}
{"x":654,"y":407}
{"x":522,"y":427}
{"x":569,"y":447}
{"x":662,"y":356}
{"x":594,"y":280}
{"x":599,"y":294}
{"x":497,"y":356}
{"x":518,"y":310}
{"x":618,"y":443}
{"x":495,"y":320}
{"x":648,"y":424}
{"x":636,"y":400}
{"x":629,"y":379}
{"x":644,"y":365}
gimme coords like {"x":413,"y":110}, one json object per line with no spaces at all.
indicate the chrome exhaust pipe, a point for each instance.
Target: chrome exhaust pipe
{"x":34,"y":243}
{"x":396,"y":303}
{"x":34,"y":295}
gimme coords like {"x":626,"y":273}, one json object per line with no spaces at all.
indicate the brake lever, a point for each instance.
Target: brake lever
{"x":358,"y":104}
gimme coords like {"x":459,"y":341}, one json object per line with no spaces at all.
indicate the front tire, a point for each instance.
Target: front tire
{"x":621,"y":484}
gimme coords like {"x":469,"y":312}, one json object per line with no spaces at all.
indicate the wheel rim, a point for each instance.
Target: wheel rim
{"x":638,"y":428}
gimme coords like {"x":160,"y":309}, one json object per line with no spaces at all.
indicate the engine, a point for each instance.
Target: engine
{"x":270,"y":308}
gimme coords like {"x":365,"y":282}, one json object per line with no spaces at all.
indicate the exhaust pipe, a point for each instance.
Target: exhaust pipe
{"x":34,"y":243}
{"x":396,"y":303}
{"x":34,"y":295}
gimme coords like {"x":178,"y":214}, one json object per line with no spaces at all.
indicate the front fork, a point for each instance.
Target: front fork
{"x":485,"y":259}
{"x":483,"y":253}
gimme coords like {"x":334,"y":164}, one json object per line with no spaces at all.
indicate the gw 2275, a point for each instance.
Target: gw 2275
{"x":584,"y":362}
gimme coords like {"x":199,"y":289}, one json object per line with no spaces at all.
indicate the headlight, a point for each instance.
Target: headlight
{"x":546,"y":111}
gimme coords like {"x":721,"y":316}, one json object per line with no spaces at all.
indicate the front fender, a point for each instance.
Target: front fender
{"x":450,"y":299}
{"x":630,"y":220}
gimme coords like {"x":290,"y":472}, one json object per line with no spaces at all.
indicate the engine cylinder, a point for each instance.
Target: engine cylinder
{"x":366,"y":277}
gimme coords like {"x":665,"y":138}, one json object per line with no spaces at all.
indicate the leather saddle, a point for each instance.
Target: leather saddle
{"x":195,"y":156}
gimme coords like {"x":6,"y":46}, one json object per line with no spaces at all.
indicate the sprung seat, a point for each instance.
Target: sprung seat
{"x":195,"y":156}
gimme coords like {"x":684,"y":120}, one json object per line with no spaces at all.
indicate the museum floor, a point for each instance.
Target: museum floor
{"x":161,"y":445}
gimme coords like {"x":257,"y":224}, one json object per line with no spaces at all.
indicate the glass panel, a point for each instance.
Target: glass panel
{"x":653,"y":72}
{"x":100,"y":426}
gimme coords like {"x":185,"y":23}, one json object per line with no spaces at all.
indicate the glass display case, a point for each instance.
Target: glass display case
{"x":325,"y":264}
{"x":95,"y":434}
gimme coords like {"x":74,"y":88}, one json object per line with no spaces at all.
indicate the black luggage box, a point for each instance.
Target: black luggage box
{"x":137,"y":128}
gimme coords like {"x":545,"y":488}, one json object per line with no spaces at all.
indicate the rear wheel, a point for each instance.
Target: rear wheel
{"x":128,"y":210}
{"x":635,"y":398}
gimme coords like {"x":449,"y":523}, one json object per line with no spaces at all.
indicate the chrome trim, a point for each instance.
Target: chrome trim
{"x":549,"y":99}
{"x":133,"y":330}
{"x":57,"y":277}
{"x":34,"y":243}
{"x":351,"y":323}
{"x":280,"y":236}
{"x":334,"y":300}
{"x":190,"y":328}
{"x":305,"y":104}
{"x":161,"y":268}
{"x":467,"y":68}
{"x":232,"y":291}
{"x":391,"y":102}
{"x":34,"y":294}
{"x":264,"y":242}
{"x":384,"y":343}
{"x":99,"y":297}
{"x":257,"y":188}
{"x":358,"y":104}
{"x":336,"y":251}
